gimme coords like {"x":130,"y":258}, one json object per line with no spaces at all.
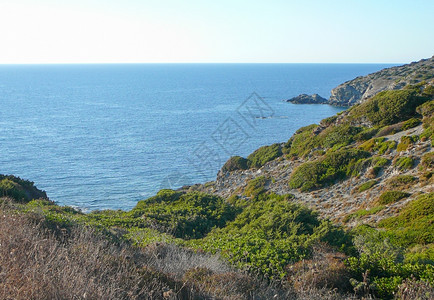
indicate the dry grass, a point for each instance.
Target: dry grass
{"x":37,"y":264}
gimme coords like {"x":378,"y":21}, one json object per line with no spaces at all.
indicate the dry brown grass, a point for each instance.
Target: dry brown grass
{"x":37,"y":264}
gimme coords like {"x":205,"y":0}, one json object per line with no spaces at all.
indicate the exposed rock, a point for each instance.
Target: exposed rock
{"x":364,"y":87}
{"x":308,"y":99}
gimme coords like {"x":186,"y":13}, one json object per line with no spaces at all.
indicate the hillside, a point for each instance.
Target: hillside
{"x":343,"y":210}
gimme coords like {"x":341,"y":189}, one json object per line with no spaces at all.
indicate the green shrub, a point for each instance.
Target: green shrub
{"x":427,"y":161}
{"x":185,"y":215}
{"x":426,"y":109}
{"x":404,"y":163}
{"x":19,"y":189}
{"x":366,"y":186}
{"x":410,"y":123}
{"x":389,"y":197}
{"x":255,"y":186}
{"x":389,"y":107}
{"x":334,"y":166}
{"x":235,"y":163}
{"x":414,"y":224}
{"x":380,"y":145}
{"x":270,"y":233}
{"x":406,"y":141}
{"x":263,"y":155}
{"x":366,"y":134}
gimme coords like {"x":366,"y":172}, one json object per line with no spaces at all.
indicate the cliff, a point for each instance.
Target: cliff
{"x":395,"y":78}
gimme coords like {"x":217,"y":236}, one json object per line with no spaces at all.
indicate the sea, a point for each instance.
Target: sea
{"x":104,"y":136}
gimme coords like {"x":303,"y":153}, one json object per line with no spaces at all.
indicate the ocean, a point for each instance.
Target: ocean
{"x":106,"y":136}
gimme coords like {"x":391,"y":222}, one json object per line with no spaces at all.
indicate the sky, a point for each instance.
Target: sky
{"x":225,"y":31}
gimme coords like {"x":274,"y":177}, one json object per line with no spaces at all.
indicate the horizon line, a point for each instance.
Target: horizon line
{"x":198,"y":63}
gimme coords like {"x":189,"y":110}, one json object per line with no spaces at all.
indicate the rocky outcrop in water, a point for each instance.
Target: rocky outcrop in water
{"x":308,"y":99}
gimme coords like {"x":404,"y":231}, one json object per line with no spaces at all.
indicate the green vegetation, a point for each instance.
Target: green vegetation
{"x":427,"y":161}
{"x":380,"y":145}
{"x":389,"y":197}
{"x":410,"y":123}
{"x":235,"y":163}
{"x":333,"y":166}
{"x":263,"y":155}
{"x":366,"y":186}
{"x":255,"y":186}
{"x":406,"y":141}
{"x":186,"y":216}
{"x":364,"y":212}
{"x":270,"y":233}
{"x":401,"y":181}
{"x":404,"y":163}
{"x":389,"y":107}
{"x":414,"y":224}
{"x":18,"y":189}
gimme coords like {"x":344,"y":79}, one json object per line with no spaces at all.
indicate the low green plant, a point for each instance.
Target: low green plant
{"x":404,"y":163}
{"x":255,"y":186}
{"x":401,"y":181}
{"x":406,"y":141}
{"x":389,"y":197}
{"x":411,"y":123}
{"x":366,"y":186}
{"x":333,"y":166}
{"x":263,"y":155}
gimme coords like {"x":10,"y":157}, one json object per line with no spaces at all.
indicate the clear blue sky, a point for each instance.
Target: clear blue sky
{"x":97,"y":31}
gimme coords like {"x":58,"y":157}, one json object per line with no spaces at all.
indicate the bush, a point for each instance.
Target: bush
{"x":415,"y":222}
{"x":19,"y":189}
{"x":427,"y":162}
{"x":335,"y":165}
{"x":366,"y":186}
{"x":389,"y":107}
{"x":410,"y":123}
{"x":185,"y":215}
{"x":263,"y":155}
{"x":401,"y":181}
{"x":255,"y":186}
{"x":235,"y":163}
{"x":389,"y":197}
{"x":406,"y":141}
{"x":404,"y":163}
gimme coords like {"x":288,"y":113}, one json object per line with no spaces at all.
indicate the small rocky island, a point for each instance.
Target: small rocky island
{"x":308,"y":99}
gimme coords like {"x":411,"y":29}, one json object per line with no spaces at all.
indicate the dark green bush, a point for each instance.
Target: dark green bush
{"x":410,"y":123}
{"x":235,"y":163}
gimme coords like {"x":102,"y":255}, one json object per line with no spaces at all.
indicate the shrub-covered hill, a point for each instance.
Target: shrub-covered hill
{"x":342,"y":210}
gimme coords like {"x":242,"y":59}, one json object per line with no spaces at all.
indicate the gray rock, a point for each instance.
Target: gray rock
{"x":361,"y":88}
{"x":308,"y":99}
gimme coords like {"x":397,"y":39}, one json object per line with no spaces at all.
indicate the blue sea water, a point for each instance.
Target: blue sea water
{"x":106,"y":136}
